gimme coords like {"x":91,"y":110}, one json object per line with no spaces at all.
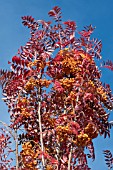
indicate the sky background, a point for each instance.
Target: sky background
{"x":13,"y":34}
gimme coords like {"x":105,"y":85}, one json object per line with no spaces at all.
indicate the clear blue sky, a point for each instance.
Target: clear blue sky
{"x":99,"y":13}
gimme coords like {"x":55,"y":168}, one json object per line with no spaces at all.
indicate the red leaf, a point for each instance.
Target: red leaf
{"x":70,"y":24}
{"x":64,"y":158}
{"x":51,"y":13}
{"x":9,"y":62}
{"x":54,"y":161}
{"x":58,"y":86}
{"x":16,"y":59}
{"x":57,"y":58}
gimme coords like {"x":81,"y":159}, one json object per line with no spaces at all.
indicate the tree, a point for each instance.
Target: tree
{"x":57,"y":105}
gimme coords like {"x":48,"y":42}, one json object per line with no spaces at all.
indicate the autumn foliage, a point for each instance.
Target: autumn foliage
{"x":55,"y":98}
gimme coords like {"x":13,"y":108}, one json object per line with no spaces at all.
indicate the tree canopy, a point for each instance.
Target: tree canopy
{"x":56,"y":100}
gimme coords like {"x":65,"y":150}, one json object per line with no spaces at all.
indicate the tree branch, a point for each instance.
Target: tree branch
{"x":15,"y":137}
{"x":40,"y":125}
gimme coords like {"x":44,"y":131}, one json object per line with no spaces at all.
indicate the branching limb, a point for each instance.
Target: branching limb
{"x":15,"y":137}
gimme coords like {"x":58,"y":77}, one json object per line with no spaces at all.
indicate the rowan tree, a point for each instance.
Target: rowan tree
{"x":56,"y":100}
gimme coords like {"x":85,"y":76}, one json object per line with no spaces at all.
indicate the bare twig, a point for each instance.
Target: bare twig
{"x":8,"y":129}
{"x":16,"y":147}
{"x":69,"y":160}
{"x":15,"y":137}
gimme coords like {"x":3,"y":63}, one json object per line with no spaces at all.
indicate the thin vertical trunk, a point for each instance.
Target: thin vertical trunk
{"x":16,"y":148}
{"x":40,"y":125}
{"x":69,"y":160}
